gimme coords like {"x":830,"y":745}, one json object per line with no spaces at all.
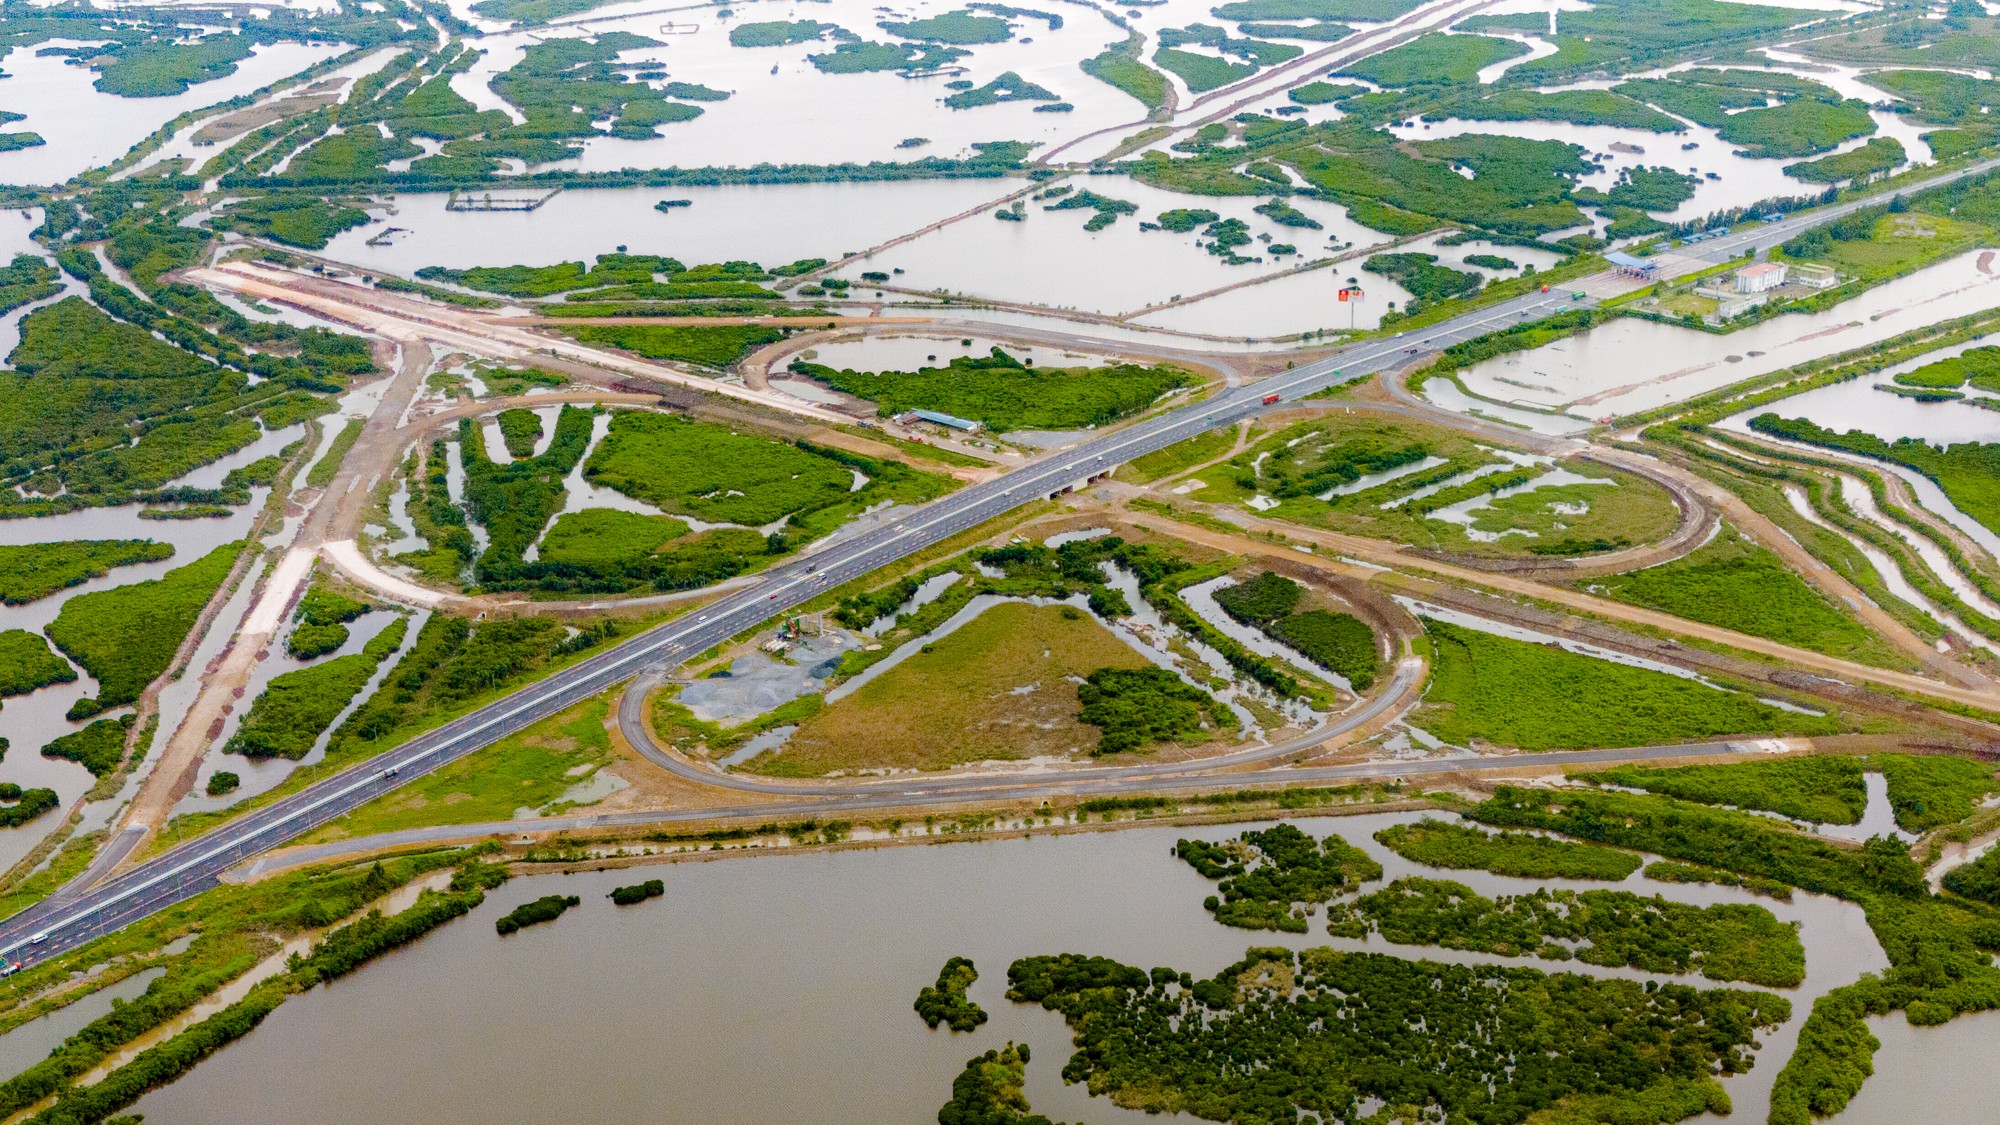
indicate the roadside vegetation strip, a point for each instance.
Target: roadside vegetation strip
{"x":1614,"y":929}
{"x":713,"y":473}
{"x":1758,"y":484}
{"x":452,"y":668}
{"x":127,"y":636}
{"x":1493,"y":690}
{"x":1833,"y":506}
{"x":532,"y":770}
{"x":1832,"y":537}
{"x":1437,"y":843}
{"x":1817,"y":789}
{"x":30,"y":887}
{"x":340,"y":952}
{"x":1733,"y":582}
{"x":1273,"y":878}
{"x":1180,"y":456}
{"x":1331,"y":1033}
{"x":34,"y":571}
{"x":328,"y":466}
{"x":715,"y":346}
{"x":297,"y":707}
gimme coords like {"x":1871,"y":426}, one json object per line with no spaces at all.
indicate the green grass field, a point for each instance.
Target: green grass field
{"x":710,"y":473}
{"x":704,"y":345}
{"x":529,"y":770}
{"x":1179,"y":456}
{"x":1822,"y":789}
{"x":598,"y":537}
{"x":1492,"y":690}
{"x":1000,"y":392}
{"x":1901,"y":244}
{"x":1734,"y":583}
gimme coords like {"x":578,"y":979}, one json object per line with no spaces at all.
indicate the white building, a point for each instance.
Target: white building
{"x":1814,"y":276}
{"x":1762,"y":277}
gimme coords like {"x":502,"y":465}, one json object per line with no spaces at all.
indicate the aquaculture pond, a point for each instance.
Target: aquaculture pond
{"x":1629,"y":364}
{"x":1051,"y":257}
{"x":806,"y":966}
{"x":773,"y":224}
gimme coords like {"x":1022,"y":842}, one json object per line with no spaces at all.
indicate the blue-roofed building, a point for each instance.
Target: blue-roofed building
{"x":950,"y":421}
{"x":1633,"y":266}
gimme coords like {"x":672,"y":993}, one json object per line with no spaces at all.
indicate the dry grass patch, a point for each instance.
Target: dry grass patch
{"x":1003,"y":686}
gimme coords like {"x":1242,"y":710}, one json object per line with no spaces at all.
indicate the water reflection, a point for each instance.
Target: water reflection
{"x":801,"y":967}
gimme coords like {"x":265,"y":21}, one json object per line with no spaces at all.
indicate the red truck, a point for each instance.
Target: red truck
{"x":1270,"y":399}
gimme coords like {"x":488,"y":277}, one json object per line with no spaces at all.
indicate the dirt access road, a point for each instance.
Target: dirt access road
{"x":337,"y":507}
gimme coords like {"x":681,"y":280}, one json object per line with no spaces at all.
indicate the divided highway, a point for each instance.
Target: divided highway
{"x":65,"y":922}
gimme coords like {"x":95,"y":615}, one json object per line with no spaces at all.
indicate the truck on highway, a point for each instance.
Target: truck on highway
{"x":1270,"y":399}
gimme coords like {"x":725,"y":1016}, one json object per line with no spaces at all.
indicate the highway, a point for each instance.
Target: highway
{"x":62,"y":923}
{"x":191,"y":868}
{"x":1762,"y":238}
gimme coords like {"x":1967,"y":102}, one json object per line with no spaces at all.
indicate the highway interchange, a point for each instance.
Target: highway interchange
{"x":73,"y":918}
